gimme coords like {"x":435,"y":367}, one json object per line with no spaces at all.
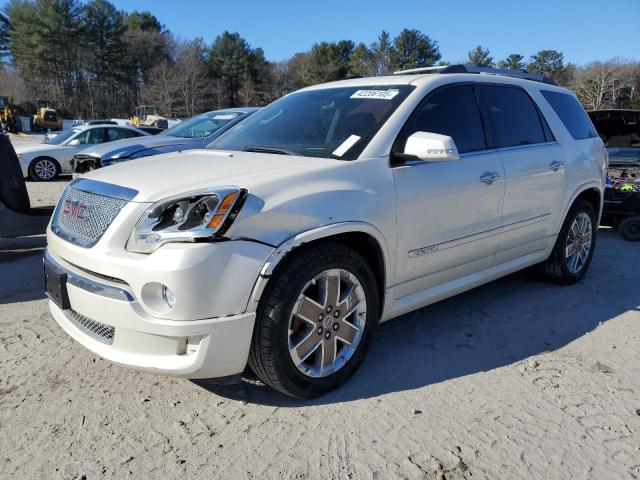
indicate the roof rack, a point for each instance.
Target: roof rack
{"x":476,"y":69}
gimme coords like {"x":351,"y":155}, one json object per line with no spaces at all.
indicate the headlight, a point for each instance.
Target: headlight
{"x":190,"y":217}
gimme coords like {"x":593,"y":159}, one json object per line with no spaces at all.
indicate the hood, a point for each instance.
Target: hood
{"x":131,"y":146}
{"x":175,"y":173}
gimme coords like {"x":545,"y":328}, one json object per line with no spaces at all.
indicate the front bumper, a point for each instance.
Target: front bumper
{"x":217,"y":347}
{"x":206,"y":335}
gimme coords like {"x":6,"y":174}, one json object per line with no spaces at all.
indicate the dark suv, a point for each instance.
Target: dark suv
{"x":620,"y":132}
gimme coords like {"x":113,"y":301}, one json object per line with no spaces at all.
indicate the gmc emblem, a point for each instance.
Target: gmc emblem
{"x":75,"y":209}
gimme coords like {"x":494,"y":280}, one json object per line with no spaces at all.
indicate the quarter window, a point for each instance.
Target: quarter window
{"x":120,"y":133}
{"x":571,"y":114}
{"x":516,"y":120}
{"x":452,"y":111}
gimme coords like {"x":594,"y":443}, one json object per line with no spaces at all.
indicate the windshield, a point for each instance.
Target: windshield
{"x":330,"y":123}
{"x":61,"y":137}
{"x":202,"y":125}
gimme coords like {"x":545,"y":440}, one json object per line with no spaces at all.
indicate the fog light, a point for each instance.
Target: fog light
{"x":168,"y":296}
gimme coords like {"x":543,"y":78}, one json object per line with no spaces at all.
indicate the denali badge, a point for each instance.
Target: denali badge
{"x":423,"y":251}
{"x":75,"y":209}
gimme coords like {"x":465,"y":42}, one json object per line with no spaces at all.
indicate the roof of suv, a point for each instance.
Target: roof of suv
{"x":420,"y":79}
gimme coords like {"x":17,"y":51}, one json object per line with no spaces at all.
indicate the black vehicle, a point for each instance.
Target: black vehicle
{"x":620,"y":132}
{"x":151,"y":130}
{"x":621,"y":208}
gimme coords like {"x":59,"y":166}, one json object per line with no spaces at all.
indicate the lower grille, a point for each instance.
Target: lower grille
{"x":99,"y":331}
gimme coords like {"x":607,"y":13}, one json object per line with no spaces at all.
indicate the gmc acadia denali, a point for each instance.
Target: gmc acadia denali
{"x":286,"y":241}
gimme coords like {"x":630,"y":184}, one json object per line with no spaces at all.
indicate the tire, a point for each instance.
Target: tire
{"x":44,"y":169}
{"x":279,"y":334}
{"x":630,"y":229}
{"x":560,"y":267}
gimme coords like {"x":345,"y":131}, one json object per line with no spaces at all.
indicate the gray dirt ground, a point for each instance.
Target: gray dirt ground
{"x":516,"y":379}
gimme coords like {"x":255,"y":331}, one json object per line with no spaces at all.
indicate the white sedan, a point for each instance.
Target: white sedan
{"x":47,"y":160}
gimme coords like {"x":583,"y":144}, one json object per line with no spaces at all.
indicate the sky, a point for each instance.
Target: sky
{"x":584,"y":30}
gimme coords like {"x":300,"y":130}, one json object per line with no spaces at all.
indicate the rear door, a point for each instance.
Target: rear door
{"x":448,"y":217}
{"x":534,"y":170}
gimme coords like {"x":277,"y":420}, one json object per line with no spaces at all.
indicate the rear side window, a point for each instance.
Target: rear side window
{"x":571,"y":113}
{"x":120,"y":133}
{"x":454,"y":112}
{"x":516,"y":120}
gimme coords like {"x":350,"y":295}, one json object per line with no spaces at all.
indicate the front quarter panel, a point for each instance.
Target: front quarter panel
{"x":358,"y":192}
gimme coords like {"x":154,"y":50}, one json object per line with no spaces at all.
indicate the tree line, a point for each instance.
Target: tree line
{"x":97,"y":61}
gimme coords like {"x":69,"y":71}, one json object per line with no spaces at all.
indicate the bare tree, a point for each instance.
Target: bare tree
{"x":160,"y":88}
{"x":192,"y":86}
{"x":599,"y":84}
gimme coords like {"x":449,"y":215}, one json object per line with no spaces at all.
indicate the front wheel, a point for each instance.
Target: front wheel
{"x":574,"y":246}
{"x":44,"y":169}
{"x":315,"y":321}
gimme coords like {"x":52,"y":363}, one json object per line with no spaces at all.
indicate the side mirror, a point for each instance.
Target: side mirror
{"x":431,"y":147}
{"x":74,"y":142}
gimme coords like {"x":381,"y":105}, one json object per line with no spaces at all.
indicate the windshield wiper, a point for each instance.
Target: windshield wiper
{"x":259,"y":149}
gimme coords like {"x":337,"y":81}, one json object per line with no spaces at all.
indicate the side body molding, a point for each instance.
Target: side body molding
{"x":318,"y":233}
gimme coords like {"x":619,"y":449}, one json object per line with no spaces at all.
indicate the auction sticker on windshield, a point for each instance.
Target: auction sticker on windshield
{"x":377,"y":94}
{"x":346,"y":145}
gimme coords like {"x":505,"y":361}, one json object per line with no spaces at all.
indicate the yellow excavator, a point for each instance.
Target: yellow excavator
{"x":147,"y":116}
{"x":46,"y":117}
{"x":9,"y":120}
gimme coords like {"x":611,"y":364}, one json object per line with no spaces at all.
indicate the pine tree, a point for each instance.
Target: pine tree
{"x":513,"y":62}
{"x":480,"y":56}
{"x":380,"y":52}
{"x":549,"y":63}
{"x":360,"y":63}
{"x":235,"y":64}
{"x":413,"y":49}
{"x":5,"y":37}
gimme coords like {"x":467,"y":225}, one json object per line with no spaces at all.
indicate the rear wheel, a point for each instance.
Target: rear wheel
{"x":44,"y":169}
{"x":574,"y":246}
{"x":630,"y":229}
{"x":315,"y":321}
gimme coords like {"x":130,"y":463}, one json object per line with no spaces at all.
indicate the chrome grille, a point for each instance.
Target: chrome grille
{"x":83,"y":217}
{"x":101,"y":332}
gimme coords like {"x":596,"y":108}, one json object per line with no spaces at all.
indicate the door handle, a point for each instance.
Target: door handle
{"x":556,"y":165}
{"x":489,"y":177}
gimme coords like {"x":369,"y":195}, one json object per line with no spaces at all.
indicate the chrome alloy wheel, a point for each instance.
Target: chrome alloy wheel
{"x":579,"y":243}
{"x":45,"y":169}
{"x":327,"y":323}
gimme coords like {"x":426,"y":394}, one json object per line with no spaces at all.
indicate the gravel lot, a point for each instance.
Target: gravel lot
{"x":516,"y":379}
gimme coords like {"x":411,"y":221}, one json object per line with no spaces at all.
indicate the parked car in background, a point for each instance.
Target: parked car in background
{"x":193,"y":133}
{"x":79,"y":123}
{"x":288,"y":240}
{"x":51,"y":158}
{"x":620,"y":132}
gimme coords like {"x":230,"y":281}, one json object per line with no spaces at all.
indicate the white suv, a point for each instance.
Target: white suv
{"x":330,"y":210}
